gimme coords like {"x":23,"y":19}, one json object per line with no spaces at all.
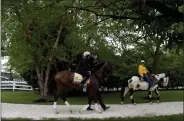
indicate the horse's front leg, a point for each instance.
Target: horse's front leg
{"x":158,"y":95}
{"x":94,"y":93}
{"x":96,"y":106}
{"x":150,"y":96}
{"x":131,"y":96}
{"x":124,"y":91}
{"x":99,"y":96}
{"x":90,"y":99}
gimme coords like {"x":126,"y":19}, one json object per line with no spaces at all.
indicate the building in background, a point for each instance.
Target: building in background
{"x":5,"y":74}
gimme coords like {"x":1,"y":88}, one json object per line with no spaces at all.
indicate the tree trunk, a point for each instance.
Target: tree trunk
{"x":40,"y":82}
{"x":50,"y":61}
{"x":156,"y":57}
{"x":43,"y":78}
{"x":46,"y":80}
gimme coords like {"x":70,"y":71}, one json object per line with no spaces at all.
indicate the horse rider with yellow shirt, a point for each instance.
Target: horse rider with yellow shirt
{"x":143,"y":72}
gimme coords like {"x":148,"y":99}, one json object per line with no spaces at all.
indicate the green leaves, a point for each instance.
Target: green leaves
{"x":181,"y":9}
{"x":110,"y":28}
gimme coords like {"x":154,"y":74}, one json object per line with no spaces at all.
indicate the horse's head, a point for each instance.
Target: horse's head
{"x":163,"y":80}
{"x":107,"y":68}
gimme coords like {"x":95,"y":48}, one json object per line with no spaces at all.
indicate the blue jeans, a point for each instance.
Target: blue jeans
{"x":146,"y":78}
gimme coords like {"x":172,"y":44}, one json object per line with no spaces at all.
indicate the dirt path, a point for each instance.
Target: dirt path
{"x":45,"y":111}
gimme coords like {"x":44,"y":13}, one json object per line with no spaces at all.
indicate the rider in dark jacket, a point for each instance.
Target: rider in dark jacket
{"x":84,"y":66}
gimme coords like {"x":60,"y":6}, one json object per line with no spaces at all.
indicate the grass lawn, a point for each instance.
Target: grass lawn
{"x":27,"y":97}
{"x":178,"y":117}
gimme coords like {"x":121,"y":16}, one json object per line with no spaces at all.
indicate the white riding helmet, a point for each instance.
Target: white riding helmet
{"x":86,"y":53}
{"x":142,"y":61}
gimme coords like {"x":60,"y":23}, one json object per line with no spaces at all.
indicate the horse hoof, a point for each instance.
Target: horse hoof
{"x":106,"y":108}
{"x":80,"y":111}
{"x":90,"y":109}
{"x":122,"y":103}
{"x":57,"y":112}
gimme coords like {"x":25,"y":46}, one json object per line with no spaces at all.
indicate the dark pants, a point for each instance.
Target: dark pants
{"x":85,"y":76}
{"x":146,"y":78}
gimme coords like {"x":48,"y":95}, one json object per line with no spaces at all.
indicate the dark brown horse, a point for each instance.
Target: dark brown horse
{"x":66,"y":80}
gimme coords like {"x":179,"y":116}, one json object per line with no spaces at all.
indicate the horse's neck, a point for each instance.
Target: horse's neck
{"x":160,"y":76}
{"x":102,"y":68}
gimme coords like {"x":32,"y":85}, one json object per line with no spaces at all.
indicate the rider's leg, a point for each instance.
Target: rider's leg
{"x":146,"y":78}
{"x":85,"y":78}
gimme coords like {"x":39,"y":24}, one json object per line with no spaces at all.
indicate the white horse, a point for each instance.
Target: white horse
{"x":137,"y":83}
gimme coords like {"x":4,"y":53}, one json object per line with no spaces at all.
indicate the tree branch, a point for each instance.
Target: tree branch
{"x":164,"y":9}
{"x":103,"y":15}
{"x":96,"y":23}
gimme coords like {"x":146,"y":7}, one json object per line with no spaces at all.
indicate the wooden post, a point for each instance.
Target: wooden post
{"x":13,"y":85}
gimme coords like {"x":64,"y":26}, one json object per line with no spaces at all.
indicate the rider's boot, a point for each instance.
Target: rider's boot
{"x":84,"y":80}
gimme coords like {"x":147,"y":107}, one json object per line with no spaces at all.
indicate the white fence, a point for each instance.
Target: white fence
{"x":15,"y":85}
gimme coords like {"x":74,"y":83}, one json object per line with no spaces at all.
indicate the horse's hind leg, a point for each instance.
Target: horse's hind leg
{"x":55,"y":103}
{"x":123,"y":93}
{"x":63,"y":97}
{"x":158,"y":95}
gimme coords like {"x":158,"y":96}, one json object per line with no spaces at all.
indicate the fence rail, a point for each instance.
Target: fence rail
{"x":15,"y":85}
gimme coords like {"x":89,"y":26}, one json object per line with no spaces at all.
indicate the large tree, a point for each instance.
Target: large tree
{"x":36,"y":35}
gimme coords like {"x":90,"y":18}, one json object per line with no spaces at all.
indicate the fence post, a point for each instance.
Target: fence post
{"x":13,"y":85}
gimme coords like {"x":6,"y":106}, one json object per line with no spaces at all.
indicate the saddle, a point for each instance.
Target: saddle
{"x":78,"y":79}
{"x":153,"y":79}
{"x":141,"y":79}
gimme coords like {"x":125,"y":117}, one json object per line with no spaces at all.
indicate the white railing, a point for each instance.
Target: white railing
{"x":15,"y":85}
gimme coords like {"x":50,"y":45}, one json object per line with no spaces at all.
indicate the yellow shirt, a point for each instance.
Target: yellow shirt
{"x":142,"y":70}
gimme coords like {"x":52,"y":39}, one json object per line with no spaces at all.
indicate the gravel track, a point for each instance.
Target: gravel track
{"x":127,"y":110}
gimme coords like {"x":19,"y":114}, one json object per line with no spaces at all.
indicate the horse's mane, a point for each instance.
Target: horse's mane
{"x":98,"y":65}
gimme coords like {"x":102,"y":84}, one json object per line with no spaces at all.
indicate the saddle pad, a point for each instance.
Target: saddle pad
{"x":77,"y":77}
{"x":141,"y":79}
